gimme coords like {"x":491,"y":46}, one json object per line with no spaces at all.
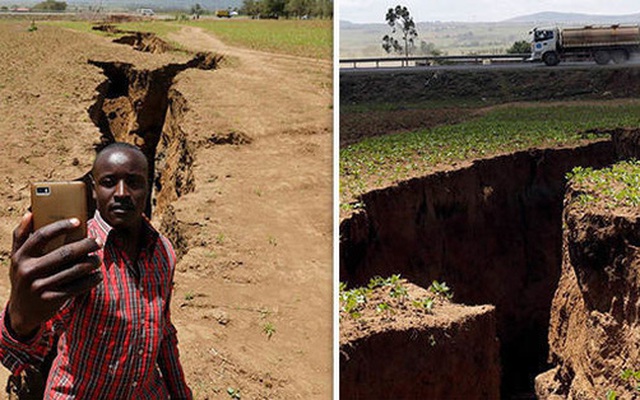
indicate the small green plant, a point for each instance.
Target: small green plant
{"x":383,"y":307}
{"x":633,"y":376}
{"x":210,"y":254}
{"x":32,"y":27}
{"x":233,"y":393}
{"x":426,"y":303}
{"x":611,"y":395}
{"x":269,"y":329}
{"x":189,"y":296}
{"x":272,"y":241}
{"x":441,"y":289}
{"x":220,"y":238}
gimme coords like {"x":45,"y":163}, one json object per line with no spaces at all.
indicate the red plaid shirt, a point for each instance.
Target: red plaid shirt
{"x":117,"y":341}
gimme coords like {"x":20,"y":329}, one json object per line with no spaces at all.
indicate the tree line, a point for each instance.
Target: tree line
{"x":288,"y":8}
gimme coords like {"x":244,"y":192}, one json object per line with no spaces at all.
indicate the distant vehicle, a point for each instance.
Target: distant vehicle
{"x":602,"y":44}
{"x":223,"y":14}
{"x":145,"y":12}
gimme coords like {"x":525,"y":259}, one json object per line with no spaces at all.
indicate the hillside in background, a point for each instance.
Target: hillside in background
{"x":572,"y":18}
{"x":459,"y":38}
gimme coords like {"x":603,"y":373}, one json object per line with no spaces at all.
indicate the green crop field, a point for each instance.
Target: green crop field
{"x":305,"y":38}
{"x":614,"y":187}
{"x":310,"y":38}
{"x":381,"y":161}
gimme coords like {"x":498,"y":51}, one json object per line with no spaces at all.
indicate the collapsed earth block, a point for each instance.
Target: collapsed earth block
{"x":594,"y":334}
{"x":450,"y":352}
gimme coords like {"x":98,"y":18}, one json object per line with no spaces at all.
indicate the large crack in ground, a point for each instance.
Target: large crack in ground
{"x":496,"y":238}
{"x":140,"y":107}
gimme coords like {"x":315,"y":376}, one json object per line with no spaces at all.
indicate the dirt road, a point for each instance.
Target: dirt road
{"x":252,"y":300}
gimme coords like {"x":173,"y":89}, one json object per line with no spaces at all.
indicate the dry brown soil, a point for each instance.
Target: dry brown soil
{"x":258,"y":223}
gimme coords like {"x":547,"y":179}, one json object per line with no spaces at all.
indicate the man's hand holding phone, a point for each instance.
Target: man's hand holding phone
{"x":42,"y":282}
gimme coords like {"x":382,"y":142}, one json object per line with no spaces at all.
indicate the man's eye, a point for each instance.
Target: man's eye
{"x":107,"y":182}
{"x":134,"y":183}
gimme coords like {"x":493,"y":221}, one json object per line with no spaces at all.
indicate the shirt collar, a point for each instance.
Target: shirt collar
{"x":149,"y":233}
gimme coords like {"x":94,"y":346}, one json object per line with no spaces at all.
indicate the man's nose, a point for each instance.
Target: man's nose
{"x":121,"y":188}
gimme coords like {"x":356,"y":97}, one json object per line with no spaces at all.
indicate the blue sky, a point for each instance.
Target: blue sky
{"x":478,"y":10}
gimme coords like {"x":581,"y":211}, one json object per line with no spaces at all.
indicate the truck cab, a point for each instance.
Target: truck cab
{"x":544,"y":46}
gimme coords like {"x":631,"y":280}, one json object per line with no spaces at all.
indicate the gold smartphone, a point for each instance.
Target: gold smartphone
{"x":53,"y":201}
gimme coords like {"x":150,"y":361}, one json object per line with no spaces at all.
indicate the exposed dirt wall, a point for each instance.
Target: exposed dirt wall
{"x":491,"y":230}
{"x":536,"y":83}
{"x":594,"y":325}
{"x":419,"y":361}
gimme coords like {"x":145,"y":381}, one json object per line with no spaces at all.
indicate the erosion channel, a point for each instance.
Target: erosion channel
{"x":492,"y":230}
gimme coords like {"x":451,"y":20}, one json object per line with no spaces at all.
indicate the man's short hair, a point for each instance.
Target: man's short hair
{"x":116,"y":146}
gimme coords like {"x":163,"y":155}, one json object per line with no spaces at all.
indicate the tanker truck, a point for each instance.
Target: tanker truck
{"x":599,"y":43}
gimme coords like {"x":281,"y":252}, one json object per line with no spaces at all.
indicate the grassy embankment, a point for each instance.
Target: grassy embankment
{"x":309,"y":38}
{"x":384,"y":160}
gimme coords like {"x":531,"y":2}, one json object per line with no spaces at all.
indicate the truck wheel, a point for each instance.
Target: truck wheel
{"x":619,"y":56}
{"x":602,"y":57}
{"x":551,"y":58}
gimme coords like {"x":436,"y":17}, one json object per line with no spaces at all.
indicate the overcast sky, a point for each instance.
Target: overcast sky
{"x":479,"y":10}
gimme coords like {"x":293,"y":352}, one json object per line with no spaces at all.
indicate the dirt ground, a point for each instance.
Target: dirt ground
{"x":253,"y":299}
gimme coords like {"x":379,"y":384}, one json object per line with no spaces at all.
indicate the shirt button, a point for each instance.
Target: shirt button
{"x":134,"y":384}
{"x":140,"y":352}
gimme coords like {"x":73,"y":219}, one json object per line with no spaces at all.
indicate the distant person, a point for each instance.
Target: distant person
{"x":105,"y":298}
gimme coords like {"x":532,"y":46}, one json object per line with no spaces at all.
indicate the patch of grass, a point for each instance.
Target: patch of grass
{"x":310,"y":38}
{"x":354,"y":301}
{"x":612,"y":187}
{"x":384,"y":160}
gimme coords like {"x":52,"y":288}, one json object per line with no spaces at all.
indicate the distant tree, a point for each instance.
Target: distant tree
{"x":251,"y":8}
{"x":519,"y":47}
{"x":275,"y":8}
{"x":197,"y":10}
{"x":429,"y":49}
{"x":299,"y":8}
{"x":400,"y":20}
{"x":51,"y":5}
{"x":322,"y":9}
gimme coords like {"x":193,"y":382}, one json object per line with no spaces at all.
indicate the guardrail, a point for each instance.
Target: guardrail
{"x":435,"y":60}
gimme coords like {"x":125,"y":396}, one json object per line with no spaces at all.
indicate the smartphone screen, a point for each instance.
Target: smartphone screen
{"x":53,"y":201}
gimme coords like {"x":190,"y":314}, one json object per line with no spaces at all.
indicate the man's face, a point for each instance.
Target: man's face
{"x":121,"y":187}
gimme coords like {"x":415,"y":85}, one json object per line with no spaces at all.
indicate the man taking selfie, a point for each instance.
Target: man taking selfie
{"x":105,"y":298}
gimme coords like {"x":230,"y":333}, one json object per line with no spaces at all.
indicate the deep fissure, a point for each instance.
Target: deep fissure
{"x":140,"y":107}
{"x":492,"y":235}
